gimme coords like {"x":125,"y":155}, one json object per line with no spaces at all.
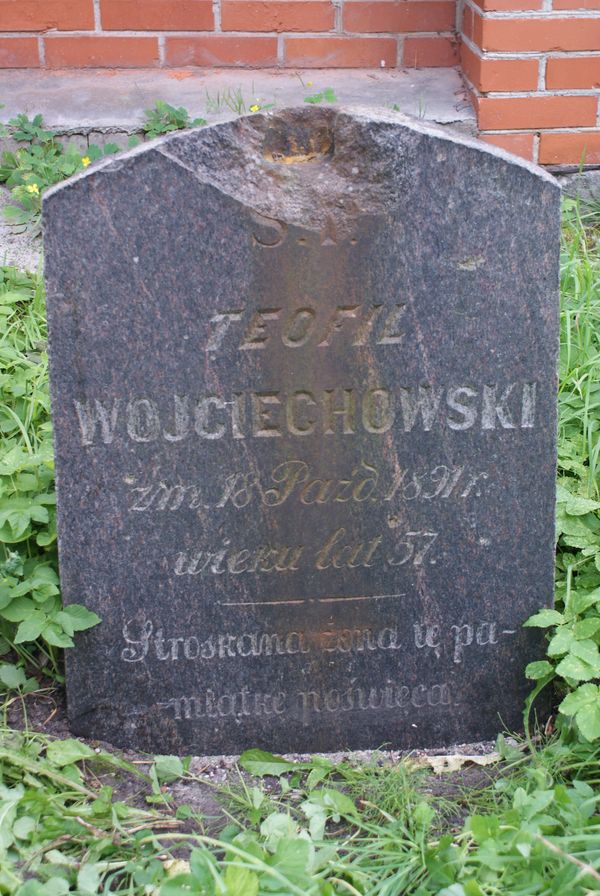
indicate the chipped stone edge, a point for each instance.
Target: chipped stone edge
{"x":361,"y":113}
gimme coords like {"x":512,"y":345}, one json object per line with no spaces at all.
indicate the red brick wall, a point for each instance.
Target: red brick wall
{"x":249,"y":33}
{"x":533,"y":67}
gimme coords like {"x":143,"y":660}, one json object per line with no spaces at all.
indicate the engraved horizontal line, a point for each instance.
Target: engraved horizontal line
{"x":328,"y":600}
{"x":303,"y":600}
{"x":260,"y":603}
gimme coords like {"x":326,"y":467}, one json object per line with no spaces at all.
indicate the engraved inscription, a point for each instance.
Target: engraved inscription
{"x":295,"y":481}
{"x":338,"y":550}
{"x":305,"y":413}
{"x":350,"y":698}
{"x":307,"y":324}
{"x":146,"y":640}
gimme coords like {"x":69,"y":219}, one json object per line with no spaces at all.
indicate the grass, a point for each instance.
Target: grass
{"x":74,"y":819}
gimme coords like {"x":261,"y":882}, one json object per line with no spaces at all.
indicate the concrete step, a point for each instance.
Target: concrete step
{"x":98,"y":102}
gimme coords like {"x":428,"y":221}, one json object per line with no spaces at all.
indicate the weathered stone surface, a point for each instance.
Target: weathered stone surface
{"x":303,"y":381}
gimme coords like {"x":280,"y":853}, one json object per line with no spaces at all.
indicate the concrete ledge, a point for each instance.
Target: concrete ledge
{"x":99,"y":102}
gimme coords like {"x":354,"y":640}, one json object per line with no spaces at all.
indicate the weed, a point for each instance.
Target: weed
{"x":573,"y":661}
{"x":30,"y":605}
{"x":41,"y":162}
{"x":226,"y":99}
{"x":164,"y":119}
{"x":324,"y":96}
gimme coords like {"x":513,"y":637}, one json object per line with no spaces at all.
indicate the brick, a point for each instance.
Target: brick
{"x":466,"y":26}
{"x":404,"y":16}
{"x":41,"y":15}
{"x":576,"y":4}
{"x":430,"y":52}
{"x":19,"y":52}
{"x":508,"y":5}
{"x":280,"y":15}
{"x":579,"y":72}
{"x":570,"y":149}
{"x":226,"y":51}
{"x":340,"y":52}
{"x":157,"y":15}
{"x":501,"y":75}
{"x":101,"y":52}
{"x":518,"y":144}
{"x":500,"y":113}
{"x":537,"y":34}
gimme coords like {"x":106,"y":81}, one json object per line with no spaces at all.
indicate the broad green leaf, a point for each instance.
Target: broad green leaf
{"x":587,"y":650}
{"x":539,"y":670}
{"x":180,"y":885}
{"x":572,"y":667}
{"x":581,"y":602}
{"x":545,"y":618}
{"x":81,"y":618}
{"x":240,"y":881}
{"x":168,"y":768}
{"x":31,"y":628}
{"x":65,"y":752}
{"x":56,"y":636}
{"x":576,"y":506}
{"x":588,"y":720}
{"x":88,"y":879}
{"x":275,"y":826}
{"x":584,"y":695}
{"x":292,"y":858}
{"x":24,"y":827}
{"x":561,"y":642}
{"x":586,"y":628}
{"x":12,"y":676}
{"x":260,"y":763}
{"x":584,"y":704}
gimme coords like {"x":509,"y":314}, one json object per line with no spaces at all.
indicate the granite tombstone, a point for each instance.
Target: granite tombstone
{"x":303,"y":385}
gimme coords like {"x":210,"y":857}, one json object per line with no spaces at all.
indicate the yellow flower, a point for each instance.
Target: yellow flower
{"x":255,"y":108}
{"x":309,"y":83}
{"x":33,"y":188}
{"x":85,"y":161}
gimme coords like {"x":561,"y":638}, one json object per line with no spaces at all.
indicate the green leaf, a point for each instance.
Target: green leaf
{"x":80,"y":617}
{"x":24,"y":827}
{"x":260,"y":763}
{"x":581,"y":602}
{"x":241,"y":881}
{"x":539,"y":670}
{"x":292,"y":858}
{"x":577,"y":506}
{"x":582,"y":696}
{"x":588,"y":720}
{"x":584,"y":704}
{"x":586,"y":628}
{"x":54,"y":635}
{"x":31,"y":628}
{"x":88,"y":879}
{"x":572,"y":667}
{"x":561,"y":642}
{"x":65,"y":752}
{"x":587,"y":650}
{"x":168,"y":768}
{"x":180,"y":885}
{"x":545,"y":618}
{"x":12,"y":676}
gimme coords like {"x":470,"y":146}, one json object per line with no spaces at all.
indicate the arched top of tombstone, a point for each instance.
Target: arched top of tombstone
{"x":307,"y":165}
